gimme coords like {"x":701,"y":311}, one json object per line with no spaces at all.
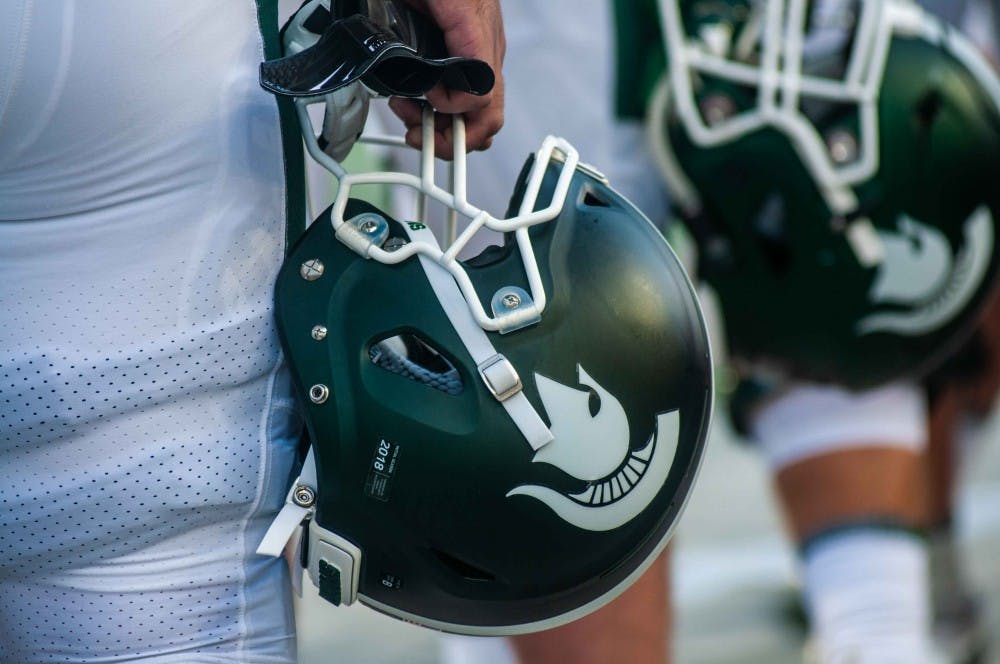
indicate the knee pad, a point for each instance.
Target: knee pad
{"x":808,"y":420}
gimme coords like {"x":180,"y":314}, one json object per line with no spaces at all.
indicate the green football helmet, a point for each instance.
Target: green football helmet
{"x":499,"y":444}
{"x":837,"y":164}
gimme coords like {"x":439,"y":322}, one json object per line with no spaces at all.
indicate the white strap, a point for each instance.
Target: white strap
{"x":527,"y":420}
{"x":293,"y":556}
{"x":291,"y":515}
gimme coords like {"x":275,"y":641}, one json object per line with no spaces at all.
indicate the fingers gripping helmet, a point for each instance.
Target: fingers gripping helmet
{"x":500,"y":444}
{"x":837,"y":163}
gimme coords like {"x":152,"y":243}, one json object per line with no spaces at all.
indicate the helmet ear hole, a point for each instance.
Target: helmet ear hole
{"x":412,"y":357}
{"x":928,"y":108}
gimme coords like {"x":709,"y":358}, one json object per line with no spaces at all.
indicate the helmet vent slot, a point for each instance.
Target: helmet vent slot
{"x":410,"y":356}
{"x":462,"y":568}
{"x":591,"y":199}
{"x":928,"y":109}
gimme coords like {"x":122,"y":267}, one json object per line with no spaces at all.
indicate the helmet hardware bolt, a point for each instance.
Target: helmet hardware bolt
{"x":368,"y":226}
{"x":717,"y":108}
{"x":394,"y":244}
{"x":319,"y":333}
{"x":312,"y":269}
{"x":304,"y":496}
{"x":319,"y":393}
{"x":511,"y":300}
{"x":843,"y":146}
{"x":513,"y":309}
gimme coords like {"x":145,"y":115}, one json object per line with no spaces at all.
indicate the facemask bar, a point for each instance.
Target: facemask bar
{"x":552,"y":149}
{"x":781,"y":84}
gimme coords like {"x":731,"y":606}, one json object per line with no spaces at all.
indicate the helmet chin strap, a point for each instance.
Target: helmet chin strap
{"x":449,"y":279}
{"x":498,"y":374}
{"x":298,"y":505}
{"x":513,"y":307}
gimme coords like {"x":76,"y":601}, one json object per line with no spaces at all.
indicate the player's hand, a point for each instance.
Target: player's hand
{"x":474,"y":29}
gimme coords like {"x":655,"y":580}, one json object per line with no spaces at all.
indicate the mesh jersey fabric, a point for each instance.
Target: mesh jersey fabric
{"x":147,"y":430}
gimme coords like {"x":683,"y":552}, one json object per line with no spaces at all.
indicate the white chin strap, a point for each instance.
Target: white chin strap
{"x":298,"y":505}
{"x":497,"y":373}
{"x":513,"y":307}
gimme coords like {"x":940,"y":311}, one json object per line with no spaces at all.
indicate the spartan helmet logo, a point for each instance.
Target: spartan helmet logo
{"x":920,"y":273}
{"x":595,"y":448}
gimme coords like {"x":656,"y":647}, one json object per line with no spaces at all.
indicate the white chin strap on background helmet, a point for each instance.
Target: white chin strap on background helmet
{"x":777,"y":32}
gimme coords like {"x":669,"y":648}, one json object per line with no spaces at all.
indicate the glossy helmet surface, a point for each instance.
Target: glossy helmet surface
{"x":838,"y":170}
{"x":500,"y":444}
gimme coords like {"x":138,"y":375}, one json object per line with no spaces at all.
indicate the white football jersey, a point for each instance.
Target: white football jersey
{"x":147,"y":428}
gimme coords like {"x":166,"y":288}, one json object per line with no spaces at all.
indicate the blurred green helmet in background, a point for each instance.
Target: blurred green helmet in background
{"x":838,"y":165}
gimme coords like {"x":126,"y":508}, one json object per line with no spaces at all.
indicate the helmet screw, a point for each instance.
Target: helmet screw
{"x":319,"y":393}
{"x":716,"y":108}
{"x":368,"y":226}
{"x":843,"y":146}
{"x":394,"y":244}
{"x":319,"y":333}
{"x":511,"y":300}
{"x":312,"y":269}
{"x":304,"y":496}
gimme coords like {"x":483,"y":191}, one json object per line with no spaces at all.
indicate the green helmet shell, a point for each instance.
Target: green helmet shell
{"x":460,"y":524}
{"x":886,"y":287}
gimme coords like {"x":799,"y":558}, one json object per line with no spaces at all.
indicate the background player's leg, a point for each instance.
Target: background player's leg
{"x":633,"y":628}
{"x":849,"y":472}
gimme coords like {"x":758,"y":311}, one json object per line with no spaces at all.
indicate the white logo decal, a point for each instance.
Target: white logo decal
{"x":918,"y":271}
{"x":622,"y":483}
{"x":586,"y":447}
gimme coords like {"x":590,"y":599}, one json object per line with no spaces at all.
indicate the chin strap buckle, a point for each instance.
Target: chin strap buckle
{"x":500,"y":377}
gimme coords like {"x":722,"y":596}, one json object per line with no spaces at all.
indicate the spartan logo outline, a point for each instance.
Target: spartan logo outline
{"x":622,"y":482}
{"x":919,"y":271}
